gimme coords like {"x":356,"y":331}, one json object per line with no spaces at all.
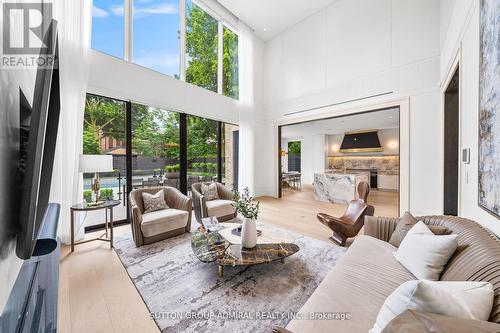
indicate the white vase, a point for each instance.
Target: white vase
{"x":249,"y":233}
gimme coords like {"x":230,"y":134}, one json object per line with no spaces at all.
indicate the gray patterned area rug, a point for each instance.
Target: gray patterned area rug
{"x":186,"y":295}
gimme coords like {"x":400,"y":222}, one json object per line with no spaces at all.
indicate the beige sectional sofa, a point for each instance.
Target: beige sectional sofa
{"x":368,"y":273}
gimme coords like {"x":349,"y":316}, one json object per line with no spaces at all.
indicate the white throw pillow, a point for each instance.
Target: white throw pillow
{"x":467,"y":300}
{"x":425,"y":254}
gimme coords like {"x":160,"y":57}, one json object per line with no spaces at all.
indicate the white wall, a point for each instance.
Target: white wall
{"x":463,"y":31}
{"x":112,"y":77}
{"x":356,"y":48}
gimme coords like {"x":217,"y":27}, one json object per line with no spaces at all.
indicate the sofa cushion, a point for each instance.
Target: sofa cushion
{"x":462,"y":299}
{"x":424,"y":254}
{"x":160,"y":221}
{"x":220,"y":207}
{"x":358,"y":285}
{"x":405,"y":223}
{"x":412,"y":321}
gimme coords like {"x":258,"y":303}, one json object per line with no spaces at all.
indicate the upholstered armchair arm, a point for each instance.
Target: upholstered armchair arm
{"x":135,"y":221}
{"x":199,"y":203}
{"x":177,"y":200}
{"x":277,"y":329}
{"x":380,"y":227}
{"x":224,"y":193}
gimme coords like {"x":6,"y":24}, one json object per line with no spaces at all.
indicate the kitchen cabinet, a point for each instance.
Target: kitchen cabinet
{"x":388,"y":182}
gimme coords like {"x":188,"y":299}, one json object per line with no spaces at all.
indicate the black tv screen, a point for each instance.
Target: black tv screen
{"x":38,"y":132}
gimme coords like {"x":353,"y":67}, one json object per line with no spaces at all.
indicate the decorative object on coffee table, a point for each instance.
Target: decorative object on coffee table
{"x":248,"y":207}
{"x":489,"y":107}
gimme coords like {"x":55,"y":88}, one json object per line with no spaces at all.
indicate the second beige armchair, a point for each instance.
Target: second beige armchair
{"x":152,"y":227}
{"x":222,"y":208}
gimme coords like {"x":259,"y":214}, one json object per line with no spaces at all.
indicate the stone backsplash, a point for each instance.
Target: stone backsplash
{"x":388,"y":165}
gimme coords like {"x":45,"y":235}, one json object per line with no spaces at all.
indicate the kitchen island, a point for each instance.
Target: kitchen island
{"x":338,"y":187}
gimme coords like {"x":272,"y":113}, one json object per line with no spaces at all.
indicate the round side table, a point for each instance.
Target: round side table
{"x":107,"y":206}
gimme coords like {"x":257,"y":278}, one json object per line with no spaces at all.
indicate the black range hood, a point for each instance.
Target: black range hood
{"x":361,"y":142}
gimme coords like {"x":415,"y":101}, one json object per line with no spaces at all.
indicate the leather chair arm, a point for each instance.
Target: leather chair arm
{"x":277,"y":329}
{"x":412,"y":321}
{"x":380,"y":227}
{"x":224,"y":193}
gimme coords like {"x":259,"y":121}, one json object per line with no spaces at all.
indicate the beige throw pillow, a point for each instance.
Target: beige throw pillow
{"x":405,"y":223}
{"x":425,"y":254}
{"x":154,"y":202}
{"x":466,"y":300}
{"x":209,"y":191}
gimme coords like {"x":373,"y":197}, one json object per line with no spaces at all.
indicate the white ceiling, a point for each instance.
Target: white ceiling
{"x":270,"y":17}
{"x":373,"y":120}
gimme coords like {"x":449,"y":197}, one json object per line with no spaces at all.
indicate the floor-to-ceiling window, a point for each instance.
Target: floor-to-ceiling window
{"x":147,"y":147}
{"x":104,"y":133}
{"x":155,"y":147}
{"x":156,"y":35}
{"x":201,"y":149}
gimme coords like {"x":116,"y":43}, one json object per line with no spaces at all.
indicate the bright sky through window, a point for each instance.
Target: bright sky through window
{"x":156,"y":37}
{"x":108,"y":27}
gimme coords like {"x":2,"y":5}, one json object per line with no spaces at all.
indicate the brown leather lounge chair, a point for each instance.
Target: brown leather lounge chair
{"x":349,"y":224}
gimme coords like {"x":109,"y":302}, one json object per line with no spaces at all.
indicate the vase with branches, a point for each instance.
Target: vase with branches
{"x":248,"y":207}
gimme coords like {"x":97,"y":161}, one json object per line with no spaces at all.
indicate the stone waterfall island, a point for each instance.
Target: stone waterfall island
{"x":338,"y":187}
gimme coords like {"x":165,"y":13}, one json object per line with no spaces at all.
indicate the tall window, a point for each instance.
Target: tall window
{"x":108,"y":30}
{"x":230,"y":84}
{"x":155,"y":147}
{"x":201,"y":47}
{"x":104,"y":133}
{"x":201,"y":150}
{"x":155,"y":41}
{"x":156,"y":38}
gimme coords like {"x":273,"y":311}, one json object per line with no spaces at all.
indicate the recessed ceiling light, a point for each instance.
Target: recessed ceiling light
{"x":265,"y":29}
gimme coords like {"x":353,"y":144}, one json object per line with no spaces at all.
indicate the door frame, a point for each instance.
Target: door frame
{"x":455,"y":65}
{"x":352,"y":109}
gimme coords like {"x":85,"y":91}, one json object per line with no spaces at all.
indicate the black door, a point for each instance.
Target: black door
{"x":451,"y":146}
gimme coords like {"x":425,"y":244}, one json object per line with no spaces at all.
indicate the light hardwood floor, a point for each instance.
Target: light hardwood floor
{"x":97,"y":295}
{"x":297,"y":210}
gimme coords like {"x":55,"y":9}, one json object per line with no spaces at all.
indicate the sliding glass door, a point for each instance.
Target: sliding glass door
{"x":201,"y":154}
{"x":229,"y":155}
{"x":104,"y":133}
{"x":155,"y":147}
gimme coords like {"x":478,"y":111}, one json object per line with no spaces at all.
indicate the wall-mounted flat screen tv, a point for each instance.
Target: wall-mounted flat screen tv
{"x":38,"y":133}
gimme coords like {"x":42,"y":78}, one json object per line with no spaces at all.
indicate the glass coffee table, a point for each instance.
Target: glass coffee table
{"x":225,"y":249}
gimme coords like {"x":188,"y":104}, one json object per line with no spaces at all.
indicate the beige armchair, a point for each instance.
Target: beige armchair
{"x":155,"y":226}
{"x":221,"y":208}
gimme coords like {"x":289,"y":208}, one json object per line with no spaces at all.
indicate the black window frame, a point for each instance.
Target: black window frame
{"x":182,"y":154}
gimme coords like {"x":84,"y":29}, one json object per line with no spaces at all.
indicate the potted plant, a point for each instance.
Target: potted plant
{"x":248,"y":207}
